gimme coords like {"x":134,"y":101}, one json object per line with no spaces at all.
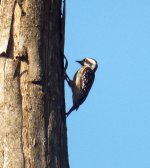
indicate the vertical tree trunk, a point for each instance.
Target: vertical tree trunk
{"x":32,"y":107}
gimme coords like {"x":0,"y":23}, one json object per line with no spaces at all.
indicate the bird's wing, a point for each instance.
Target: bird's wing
{"x":87,"y":80}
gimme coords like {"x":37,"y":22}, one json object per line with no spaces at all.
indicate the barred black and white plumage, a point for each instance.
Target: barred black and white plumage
{"x":82,"y":82}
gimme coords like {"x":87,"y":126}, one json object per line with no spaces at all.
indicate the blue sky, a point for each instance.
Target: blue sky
{"x":112,"y":128}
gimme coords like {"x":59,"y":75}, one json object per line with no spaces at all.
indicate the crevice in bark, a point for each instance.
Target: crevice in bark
{"x":10,"y":48}
{"x":3,"y":55}
{"x":21,"y":5}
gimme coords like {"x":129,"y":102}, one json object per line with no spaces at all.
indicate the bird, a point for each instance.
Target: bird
{"x":82,"y":82}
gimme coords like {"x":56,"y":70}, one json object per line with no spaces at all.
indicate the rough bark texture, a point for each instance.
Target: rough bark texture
{"x":32,"y":107}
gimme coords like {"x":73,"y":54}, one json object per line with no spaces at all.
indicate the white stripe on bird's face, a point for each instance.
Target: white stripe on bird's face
{"x":90,"y":63}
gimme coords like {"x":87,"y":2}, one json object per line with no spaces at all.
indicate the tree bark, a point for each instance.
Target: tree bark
{"x":33,"y":130}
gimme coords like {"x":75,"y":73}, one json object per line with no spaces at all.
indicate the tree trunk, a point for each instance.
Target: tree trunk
{"x":32,"y":106}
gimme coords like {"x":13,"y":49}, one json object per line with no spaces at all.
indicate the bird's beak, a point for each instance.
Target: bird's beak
{"x":80,"y":62}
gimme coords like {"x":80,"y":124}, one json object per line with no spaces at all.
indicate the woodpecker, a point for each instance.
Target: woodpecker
{"x":82,"y":82}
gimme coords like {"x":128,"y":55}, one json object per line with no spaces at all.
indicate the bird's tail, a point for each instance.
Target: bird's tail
{"x":72,"y":108}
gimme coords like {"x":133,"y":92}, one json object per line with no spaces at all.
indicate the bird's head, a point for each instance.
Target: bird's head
{"x":90,"y":62}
